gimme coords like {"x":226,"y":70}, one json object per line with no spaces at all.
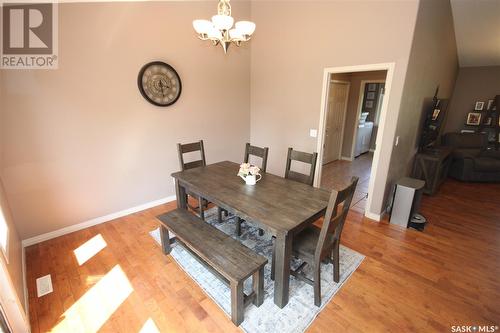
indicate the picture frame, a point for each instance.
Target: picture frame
{"x":435,"y":114}
{"x":369,"y":104}
{"x":487,"y":121}
{"x":467,"y":131}
{"x":473,"y":118}
{"x":479,"y":106}
{"x":489,"y":105}
{"x":372,"y":87}
{"x":370,"y":95}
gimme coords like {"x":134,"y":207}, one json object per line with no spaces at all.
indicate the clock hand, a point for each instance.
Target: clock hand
{"x":161,"y":86}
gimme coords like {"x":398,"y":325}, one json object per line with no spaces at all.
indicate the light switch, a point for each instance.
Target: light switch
{"x":313,"y":133}
{"x":397,"y":141}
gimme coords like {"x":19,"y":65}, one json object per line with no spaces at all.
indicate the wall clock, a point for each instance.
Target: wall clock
{"x":159,"y":83}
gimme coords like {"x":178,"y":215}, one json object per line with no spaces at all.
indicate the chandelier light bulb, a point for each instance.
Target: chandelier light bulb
{"x":222,"y":22}
{"x":246,"y":27}
{"x":202,"y":26}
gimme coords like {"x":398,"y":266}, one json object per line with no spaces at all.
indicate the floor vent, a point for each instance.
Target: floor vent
{"x":44,"y":285}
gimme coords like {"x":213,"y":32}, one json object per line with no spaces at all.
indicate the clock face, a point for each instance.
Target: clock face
{"x":159,"y":83}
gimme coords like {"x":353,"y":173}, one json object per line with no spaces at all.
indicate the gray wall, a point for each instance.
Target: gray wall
{"x":81,"y":142}
{"x":433,"y":61}
{"x":301,"y":39}
{"x":473,"y":84}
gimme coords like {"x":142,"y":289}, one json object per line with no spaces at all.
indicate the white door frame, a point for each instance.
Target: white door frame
{"x":344,"y":111}
{"x":358,"y":112}
{"x":389,"y":67}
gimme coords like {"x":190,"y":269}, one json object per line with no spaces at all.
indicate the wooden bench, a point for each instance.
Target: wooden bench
{"x":229,"y":259}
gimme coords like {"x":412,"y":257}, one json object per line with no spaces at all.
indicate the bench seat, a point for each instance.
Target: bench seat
{"x":233,"y":261}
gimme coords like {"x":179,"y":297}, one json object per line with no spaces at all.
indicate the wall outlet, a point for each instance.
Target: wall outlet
{"x":313,"y":133}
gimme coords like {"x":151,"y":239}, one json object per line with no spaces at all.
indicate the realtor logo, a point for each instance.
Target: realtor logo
{"x":29,"y":36}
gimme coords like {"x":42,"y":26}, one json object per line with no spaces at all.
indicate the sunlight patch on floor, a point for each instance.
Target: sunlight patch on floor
{"x":97,"y":305}
{"x":89,"y":249}
{"x":149,"y":327}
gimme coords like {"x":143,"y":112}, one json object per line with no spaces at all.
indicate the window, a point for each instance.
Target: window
{"x":4,"y":234}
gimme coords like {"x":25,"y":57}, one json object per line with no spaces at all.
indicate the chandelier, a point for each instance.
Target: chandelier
{"x":220,"y":30}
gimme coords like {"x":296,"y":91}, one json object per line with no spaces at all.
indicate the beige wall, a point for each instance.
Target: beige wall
{"x":81,"y":142}
{"x":352,"y":108}
{"x":473,"y":84}
{"x":433,"y":62}
{"x":301,"y":39}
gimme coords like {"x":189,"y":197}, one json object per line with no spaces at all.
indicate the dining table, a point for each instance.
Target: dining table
{"x":281,"y":207}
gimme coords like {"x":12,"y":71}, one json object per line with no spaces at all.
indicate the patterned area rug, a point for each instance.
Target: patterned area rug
{"x":300,"y":310}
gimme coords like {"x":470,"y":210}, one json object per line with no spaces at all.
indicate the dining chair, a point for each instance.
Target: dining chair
{"x":258,"y":152}
{"x":189,"y":148}
{"x":295,"y":155}
{"x":313,"y":245}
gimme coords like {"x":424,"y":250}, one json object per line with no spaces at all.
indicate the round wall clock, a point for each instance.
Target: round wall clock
{"x":159,"y":83}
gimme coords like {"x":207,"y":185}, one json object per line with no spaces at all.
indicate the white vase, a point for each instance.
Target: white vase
{"x":252,"y":179}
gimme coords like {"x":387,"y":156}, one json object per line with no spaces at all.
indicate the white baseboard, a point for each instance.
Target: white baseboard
{"x":346,"y":158}
{"x":371,"y":150}
{"x":95,"y":221}
{"x":373,"y":216}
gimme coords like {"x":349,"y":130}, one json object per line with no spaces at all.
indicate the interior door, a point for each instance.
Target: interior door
{"x":334,"y":130}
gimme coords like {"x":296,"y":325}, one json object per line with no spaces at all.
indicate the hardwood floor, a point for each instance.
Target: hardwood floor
{"x":337,"y":174}
{"x":410,"y":281}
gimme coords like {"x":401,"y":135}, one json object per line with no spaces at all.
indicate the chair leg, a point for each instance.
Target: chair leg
{"x":200,"y":206}
{"x":219,"y":214}
{"x":272,"y":263}
{"x":238,"y":226}
{"x":336,"y":262}
{"x":317,"y":284}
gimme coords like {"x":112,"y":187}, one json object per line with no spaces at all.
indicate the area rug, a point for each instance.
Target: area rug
{"x":300,"y":311}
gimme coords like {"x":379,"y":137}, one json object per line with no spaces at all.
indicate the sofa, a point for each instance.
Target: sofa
{"x":471,"y":161}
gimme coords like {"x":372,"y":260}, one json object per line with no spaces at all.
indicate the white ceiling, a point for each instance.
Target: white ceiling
{"x":477,"y":30}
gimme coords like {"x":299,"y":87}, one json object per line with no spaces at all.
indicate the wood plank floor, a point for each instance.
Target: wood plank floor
{"x":337,"y":174}
{"x":409,"y":281}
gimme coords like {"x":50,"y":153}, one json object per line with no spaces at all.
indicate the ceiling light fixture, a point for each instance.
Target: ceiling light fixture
{"x":220,"y":30}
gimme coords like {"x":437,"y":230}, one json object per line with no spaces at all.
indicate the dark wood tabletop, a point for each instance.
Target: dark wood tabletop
{"x":280,"y":206}
{"x":274,"y":203}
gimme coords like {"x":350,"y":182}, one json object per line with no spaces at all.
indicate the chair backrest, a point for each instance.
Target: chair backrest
{"x":188,"y":148}
{"x":294,"y":155}
{"x":335,"y":219}
{"x":259,"y":152}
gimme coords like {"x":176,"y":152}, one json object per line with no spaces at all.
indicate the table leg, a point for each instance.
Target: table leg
{"x":283,"y":248}
{"x":180,"y":193}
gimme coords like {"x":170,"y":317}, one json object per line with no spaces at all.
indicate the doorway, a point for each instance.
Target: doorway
{"x":354,"y":103}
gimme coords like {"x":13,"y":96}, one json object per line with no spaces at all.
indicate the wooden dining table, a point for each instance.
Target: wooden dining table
{"x":280,"y":206}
